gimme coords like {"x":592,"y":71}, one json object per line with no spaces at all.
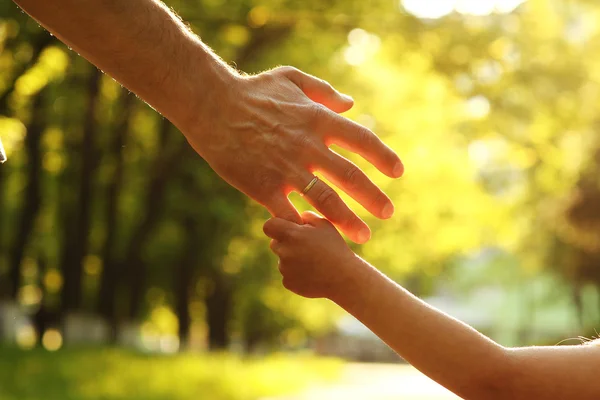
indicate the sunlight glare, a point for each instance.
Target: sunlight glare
{"x":478,"y":107}
{"x":479,"y":152}
{"x":508,"y":6}
{"x":434,"y":9}
{"x":475,"y":7}
{"x":362,"y":46}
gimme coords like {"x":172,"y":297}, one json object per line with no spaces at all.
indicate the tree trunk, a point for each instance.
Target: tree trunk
{"x":75,"y":248}
{"x":31,"y":196}
{"x":253,"y":323}
{"x":163,"y":168}
{"x":4,"y":280}
{"x":39,"y":43}
{"x":183,"y":282}
{"x":218,"y":308}
{"x":46,"y":316}
{"x":108,"y":284}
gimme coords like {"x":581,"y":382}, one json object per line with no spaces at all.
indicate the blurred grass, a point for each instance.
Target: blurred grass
{"x":111,"y":374}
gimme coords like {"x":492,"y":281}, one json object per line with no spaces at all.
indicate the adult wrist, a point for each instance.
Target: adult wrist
{"x":204,"y":78}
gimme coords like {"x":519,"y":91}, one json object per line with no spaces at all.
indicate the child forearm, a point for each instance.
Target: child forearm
{"x":447,"y":350}
{"x":316,"y":262}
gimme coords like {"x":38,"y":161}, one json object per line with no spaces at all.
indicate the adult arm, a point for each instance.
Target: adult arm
{"x":264,"y":134}
{"x":316,"y":262}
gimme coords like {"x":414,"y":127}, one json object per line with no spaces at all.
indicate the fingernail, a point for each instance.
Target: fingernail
{"x":388,"y":211}
{"x":398,"y":169}
{"x":346,"y":97}
{"x":364,"y":235}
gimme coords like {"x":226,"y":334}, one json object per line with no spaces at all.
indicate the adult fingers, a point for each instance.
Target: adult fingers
{"x":279,"y":229}
{"x":358,"y":139}
{"x":347,"y":176}
{"x":281,"y":207}
{"x":329,"y":203}
{"x":313,"y":219}
{"x":319,"y":90}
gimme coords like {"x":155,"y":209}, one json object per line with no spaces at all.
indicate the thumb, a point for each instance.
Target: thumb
{"x":282,"y":207}
{"x":319,"y":90}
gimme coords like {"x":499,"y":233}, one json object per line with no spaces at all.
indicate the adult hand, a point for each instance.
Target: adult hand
{"x":268,"y":134}
{"x":265,"y":134}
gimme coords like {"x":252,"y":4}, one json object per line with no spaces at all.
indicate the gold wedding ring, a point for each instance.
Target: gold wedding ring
{"x":310,"y":185}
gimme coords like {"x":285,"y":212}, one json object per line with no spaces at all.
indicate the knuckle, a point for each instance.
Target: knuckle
{"x":327,"y":85}
{"x":305,"y":143}
{"x":365,"y":136}
{"x":352,"y":176}
{"x":278,"y":129}
{"x":287,"y":70}
{"x":302,"y":140}
{"x":266,"y":179}
{"x":270,"y":76}
{"x":319,"y":117}
{"x":328,"y":198}
{"x":316,"y":113}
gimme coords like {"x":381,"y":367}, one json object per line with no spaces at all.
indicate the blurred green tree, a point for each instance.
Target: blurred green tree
{"x":495,"y":117}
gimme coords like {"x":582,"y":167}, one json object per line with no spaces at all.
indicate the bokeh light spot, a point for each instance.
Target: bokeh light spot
{"x":52,"y":340}
{"x":478,"y":107}
{"x":26,"y":337}
{"x":258,"y":16}
{"x":435,"y":9}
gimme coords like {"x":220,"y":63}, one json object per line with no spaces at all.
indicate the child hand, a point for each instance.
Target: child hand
{"x":313,"y":258}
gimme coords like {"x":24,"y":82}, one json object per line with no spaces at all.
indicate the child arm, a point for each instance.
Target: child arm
{"x":316,"y":262}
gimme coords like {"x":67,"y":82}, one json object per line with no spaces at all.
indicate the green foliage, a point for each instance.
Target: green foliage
{"x":494,"y":116}
{"x":115,"y":375}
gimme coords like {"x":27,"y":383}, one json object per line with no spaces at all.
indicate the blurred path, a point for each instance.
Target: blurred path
{"x":377,"y":382}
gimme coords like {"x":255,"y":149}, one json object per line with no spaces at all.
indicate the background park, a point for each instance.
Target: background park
{"x":129,"y":270}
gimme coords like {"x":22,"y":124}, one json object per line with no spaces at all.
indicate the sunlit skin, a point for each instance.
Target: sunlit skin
{"x":266,"y":134}
{"x":316,"y":262}
{"x":2,"y":153}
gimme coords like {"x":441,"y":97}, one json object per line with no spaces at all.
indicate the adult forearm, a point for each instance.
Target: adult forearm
{"x":266,"y":134}
{"x":445,"y":349}
{"x":141,"y":44}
